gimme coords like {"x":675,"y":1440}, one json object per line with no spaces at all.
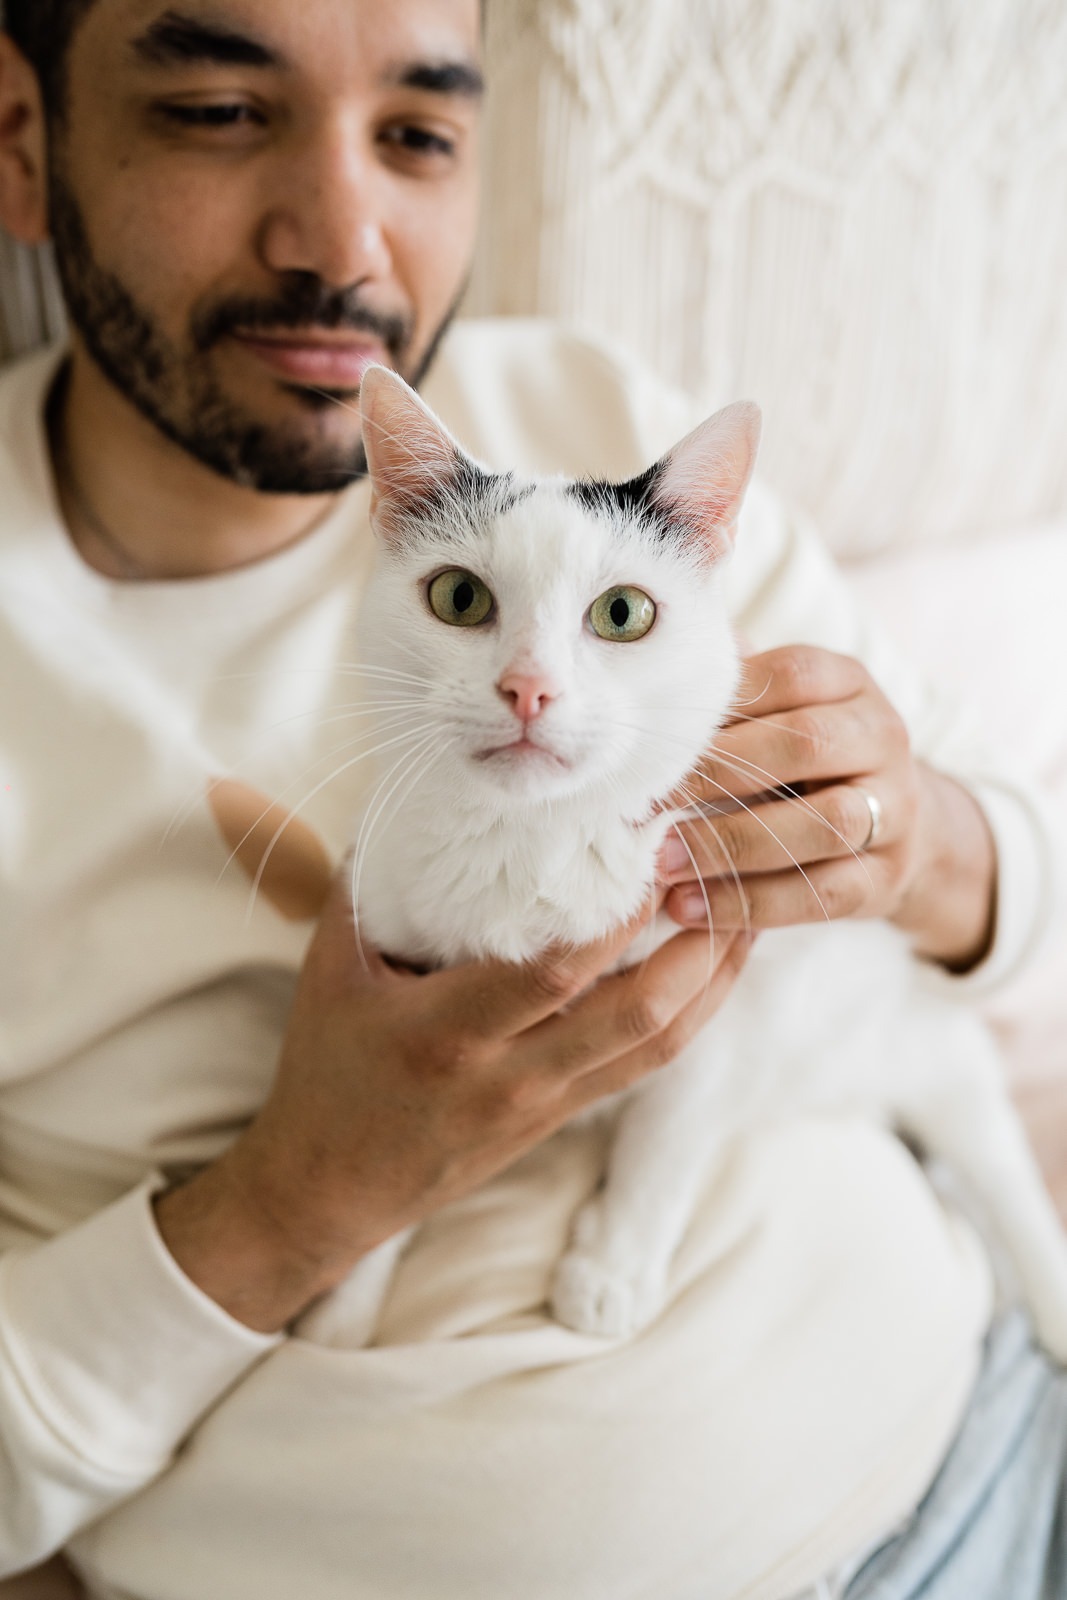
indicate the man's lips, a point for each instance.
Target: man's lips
{"x":329,"y":362}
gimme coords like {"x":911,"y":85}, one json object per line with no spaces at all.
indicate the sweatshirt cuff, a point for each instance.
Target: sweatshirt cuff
{"x":1030,"y":892}
{"x":119,"y":1352}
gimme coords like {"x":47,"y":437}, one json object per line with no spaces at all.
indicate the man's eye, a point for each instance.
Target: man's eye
{"x":229,"y":114}
{"x":412,"y":139}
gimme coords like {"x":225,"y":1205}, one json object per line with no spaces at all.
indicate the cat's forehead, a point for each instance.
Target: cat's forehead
{"x":547,"y":532}
{"x":543,"y":530}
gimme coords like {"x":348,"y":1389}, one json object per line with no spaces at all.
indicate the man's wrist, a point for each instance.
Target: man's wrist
{"x":234,"y":1247}
{"x":949,"y":909}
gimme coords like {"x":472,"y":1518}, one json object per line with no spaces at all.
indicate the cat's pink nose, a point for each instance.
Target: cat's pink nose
{"x":529,"y":693}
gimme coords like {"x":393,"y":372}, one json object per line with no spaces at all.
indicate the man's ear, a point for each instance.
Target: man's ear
{"x":23,"y":148}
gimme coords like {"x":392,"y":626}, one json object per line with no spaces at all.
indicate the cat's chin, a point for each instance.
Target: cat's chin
{"x":527,"y":775}
{"x":525,"y":769}
{"x":522,"y":755}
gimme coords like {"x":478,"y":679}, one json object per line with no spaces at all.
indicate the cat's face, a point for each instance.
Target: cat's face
{"x":559,"y":639}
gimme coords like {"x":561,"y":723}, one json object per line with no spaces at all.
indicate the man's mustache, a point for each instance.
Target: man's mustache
{"x":306,"y":303}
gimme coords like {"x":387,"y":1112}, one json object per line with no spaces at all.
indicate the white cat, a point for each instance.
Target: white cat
{"x":555,"y":657}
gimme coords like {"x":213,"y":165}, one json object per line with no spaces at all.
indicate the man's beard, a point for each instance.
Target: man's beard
{"x":177,"y":388}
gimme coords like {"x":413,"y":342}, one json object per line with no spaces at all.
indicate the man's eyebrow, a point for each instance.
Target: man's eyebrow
{"x":176,"y":39}
{"x":460,"y":78}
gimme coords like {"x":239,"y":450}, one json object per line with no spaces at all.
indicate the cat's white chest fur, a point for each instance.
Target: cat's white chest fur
{"x":441,"y":886}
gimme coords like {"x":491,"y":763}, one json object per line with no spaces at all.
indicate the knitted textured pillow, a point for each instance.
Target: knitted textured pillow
{"x":852,"y":210}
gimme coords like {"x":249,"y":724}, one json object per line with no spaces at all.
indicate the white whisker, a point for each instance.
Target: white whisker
{"x":707,"y":905}
{"x":323,"y":755}
{"x":731,"y":716}
{"x":296,"y":810}
{"x":183,"y":812}
{"x":367,"y":670}
{"x":753,"y":813}
{"x":409,"y":765}
{"x":782,"y":791}
{"x":791,"y":796}
{"x":703,"y":819}
{"x":395,"y":708}
{"x":755,"y":697}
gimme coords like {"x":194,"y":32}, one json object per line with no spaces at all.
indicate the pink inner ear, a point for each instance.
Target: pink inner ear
{"x":707,"y":473}
{"x":408,"y":450}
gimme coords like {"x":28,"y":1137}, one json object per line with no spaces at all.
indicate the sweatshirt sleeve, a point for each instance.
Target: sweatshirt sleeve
{"x":108,"y":1357}
{"x":786,"y":588}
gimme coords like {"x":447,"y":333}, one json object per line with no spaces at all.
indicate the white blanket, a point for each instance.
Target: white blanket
{"x":482,"y":1451}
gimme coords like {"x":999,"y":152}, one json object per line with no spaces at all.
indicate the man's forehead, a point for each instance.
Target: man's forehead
{"x":279,"y":33}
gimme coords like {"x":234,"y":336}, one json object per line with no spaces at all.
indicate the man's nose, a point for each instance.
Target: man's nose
{"x":329,"y":215}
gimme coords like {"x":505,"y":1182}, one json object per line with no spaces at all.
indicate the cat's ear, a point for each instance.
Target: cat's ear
{"x":703,"y":478}
{"x":409,"y":453}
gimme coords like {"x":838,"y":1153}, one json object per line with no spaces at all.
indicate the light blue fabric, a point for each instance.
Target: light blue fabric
{"x":994,"y":1523}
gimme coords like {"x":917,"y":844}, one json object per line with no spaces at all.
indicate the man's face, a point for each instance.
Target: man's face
{"x":252,"y":200}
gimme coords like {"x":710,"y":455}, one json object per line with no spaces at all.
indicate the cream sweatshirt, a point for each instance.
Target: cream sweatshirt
{"x":827,"y":1313}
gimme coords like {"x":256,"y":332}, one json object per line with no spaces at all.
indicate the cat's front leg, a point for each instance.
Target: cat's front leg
{"x":613,"y":1279}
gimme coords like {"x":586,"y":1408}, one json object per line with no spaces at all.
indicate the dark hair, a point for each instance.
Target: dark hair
{"x":43,"y":29}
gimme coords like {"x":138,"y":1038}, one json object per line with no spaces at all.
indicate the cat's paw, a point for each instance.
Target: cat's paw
{"x":595,"y":1298}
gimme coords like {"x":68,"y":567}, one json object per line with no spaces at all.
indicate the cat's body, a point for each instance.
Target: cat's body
{"x":516,"y":807}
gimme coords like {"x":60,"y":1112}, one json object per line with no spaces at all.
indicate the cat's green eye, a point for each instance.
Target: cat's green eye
{"x":459,"y":598}
{"x":622,"y":614}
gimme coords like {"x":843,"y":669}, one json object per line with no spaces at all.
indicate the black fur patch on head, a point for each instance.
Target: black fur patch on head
{"x":467,"y":481}
{"x":467,"y":496}
{"x":495,"y":492}
{"x":634,"y":498}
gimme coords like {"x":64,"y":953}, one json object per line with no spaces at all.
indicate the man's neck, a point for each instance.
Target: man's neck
{"x":138,"y":506}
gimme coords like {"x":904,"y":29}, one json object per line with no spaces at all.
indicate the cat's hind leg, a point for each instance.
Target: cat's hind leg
{"x":964,"y":1114}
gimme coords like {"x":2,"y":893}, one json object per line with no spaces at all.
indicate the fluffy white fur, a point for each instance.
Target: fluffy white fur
{"x":468,"y":848}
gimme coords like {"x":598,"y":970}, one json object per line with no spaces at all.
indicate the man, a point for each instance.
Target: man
{"x":251,"y":202}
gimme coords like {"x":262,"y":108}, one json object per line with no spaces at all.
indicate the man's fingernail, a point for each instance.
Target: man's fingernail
{"x":673,"y":857}
{"x":693,"y":907}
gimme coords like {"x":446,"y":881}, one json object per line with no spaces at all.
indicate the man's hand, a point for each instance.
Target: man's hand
{"x":396,"y":1093}
{"x":817,"y":724}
